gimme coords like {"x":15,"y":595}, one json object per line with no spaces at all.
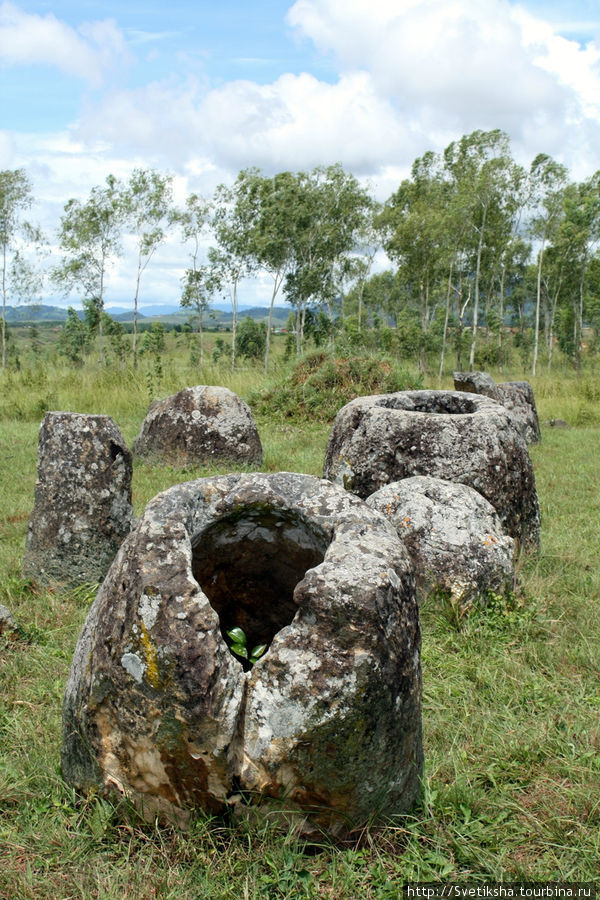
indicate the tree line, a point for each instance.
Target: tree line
{"x":472,"y":240}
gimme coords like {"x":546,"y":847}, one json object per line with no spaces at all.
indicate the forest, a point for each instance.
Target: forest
{"x":471,"y":247}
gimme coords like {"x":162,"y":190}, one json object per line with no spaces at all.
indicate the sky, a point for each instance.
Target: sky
{"x":203,"y":89}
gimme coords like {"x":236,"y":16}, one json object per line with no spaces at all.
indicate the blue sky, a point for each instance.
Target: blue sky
{"x":204,"y":89}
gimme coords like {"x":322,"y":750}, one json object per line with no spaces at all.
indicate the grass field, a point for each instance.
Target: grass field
{"x":511,"y":695}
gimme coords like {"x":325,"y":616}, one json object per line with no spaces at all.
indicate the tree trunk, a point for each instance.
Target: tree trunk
{"x":501,"y":318}
{"x":201,"y":333}
{"x":579,"y":328}
{"x":446,"y":320}
{"x":536,"y":331}
{"x":553,"y":305}
{"x":476,"y":304}
{"x":302,"y":324}
{"x":276,"y":285}
{"x":135,"y":315}
{"x":233,"y":322}
{"x":461,"y":313}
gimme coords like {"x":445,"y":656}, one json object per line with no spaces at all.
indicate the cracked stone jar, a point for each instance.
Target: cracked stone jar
{"x":459,"y":437}
{"x":82,"y":507}
{"x":325,"y":726}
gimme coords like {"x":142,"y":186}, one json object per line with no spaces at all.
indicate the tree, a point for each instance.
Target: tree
{"x":366,"y":248}
{"x":198,"y":281}
{"x":272,"y":240}
{"x":154,"y":341}
{"x":251,"y":338}
{"x":74,"y":340}
{"x":481,"y":169}
{"x":236,"y":212}
{"x":330,"y":212}
{"x":548,"y":181}
{"x":90,"y":236}
{"x":18,"y":277}
{"x":146,"y":203}
{"x":417,"y":237}
{"x":577,"y":240}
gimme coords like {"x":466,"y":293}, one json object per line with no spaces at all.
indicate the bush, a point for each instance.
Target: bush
{"x":320,"y":384}
{"x":251,"y":339}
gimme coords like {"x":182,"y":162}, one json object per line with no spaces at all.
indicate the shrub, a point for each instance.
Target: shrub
{"x":320,"y":384}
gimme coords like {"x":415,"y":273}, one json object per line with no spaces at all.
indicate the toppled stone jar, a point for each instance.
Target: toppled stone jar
{"x":325,"y":726}
{"x":455,"y":436}
{"x":82,"y":508}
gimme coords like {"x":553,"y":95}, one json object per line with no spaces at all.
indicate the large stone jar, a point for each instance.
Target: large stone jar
{"x":327,"y":723}
{"x":460,"y":437}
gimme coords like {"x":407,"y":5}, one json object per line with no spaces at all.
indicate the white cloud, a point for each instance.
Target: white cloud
{"x":299,"y":122}
{"x":7,"y":150}
{"x":462,"y":62}
{"x":412,"y":75}
{"x":295,"y":122}
{"x":27,"y":39}
{"x":453,"y":66}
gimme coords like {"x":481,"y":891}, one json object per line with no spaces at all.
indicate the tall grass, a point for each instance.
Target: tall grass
{"x":511,"y":694}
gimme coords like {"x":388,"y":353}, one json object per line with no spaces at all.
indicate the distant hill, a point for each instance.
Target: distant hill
{"x":168,"y":314}
{"x":218,"y":317}
{"x":38,"y":312}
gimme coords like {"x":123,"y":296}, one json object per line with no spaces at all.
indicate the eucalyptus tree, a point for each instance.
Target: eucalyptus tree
{"x":481,"y":167}
{"x":272,"y":239}
{"x":381,"y":296}
{"x":90,"y":237}
{"x":358,"y":267}
{"x":554,"y":275}
{"x":234,"y":223}
{"x":147,"y":199}
{"x":512,"y":251}
{"x":579,"y":234}
{"x":348,"y":214}
{"x":330,"y":211}
{"x":74,"y":339}
{"x":198,"y":284}
{"x":548,"y":181}
{"x":418,"y":236}
{"x":18,"y":277}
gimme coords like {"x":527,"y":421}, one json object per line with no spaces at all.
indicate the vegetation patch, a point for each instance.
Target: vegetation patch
{"x":320,"y":384}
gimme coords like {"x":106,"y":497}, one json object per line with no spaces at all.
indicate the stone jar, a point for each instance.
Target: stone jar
{"x":516,"y":396}
{"x":82,"y":509}
{"x":200,"y":425}
{"x":455,"y":436}
{"x":453,"y":537}
{"x":325,"y":727}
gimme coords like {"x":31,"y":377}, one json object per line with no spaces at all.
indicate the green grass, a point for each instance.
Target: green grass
{"x":511,"y":695}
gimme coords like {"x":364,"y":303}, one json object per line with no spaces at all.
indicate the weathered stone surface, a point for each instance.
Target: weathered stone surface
{"x":453,"y":536}
{"x":9,"y":629}
{"x":455,"y":436}
{"x":327,"y":723}
{"x":200,"y":425}
{"x":516,"y":396}
{"x":477,"y":383}
{"x":82,"y":508}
